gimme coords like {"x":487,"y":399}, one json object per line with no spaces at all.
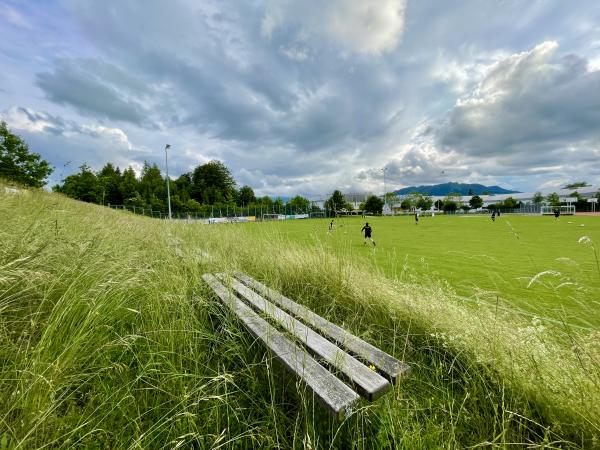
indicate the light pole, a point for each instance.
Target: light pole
{"x":384,"y":188}
{"x":168,"y":187}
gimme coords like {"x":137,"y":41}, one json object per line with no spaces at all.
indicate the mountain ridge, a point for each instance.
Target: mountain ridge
{"x":454,"y":187}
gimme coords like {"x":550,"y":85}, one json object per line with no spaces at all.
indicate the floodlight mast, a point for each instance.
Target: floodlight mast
{"x":384,"y":188}
{"x":168,"y":187}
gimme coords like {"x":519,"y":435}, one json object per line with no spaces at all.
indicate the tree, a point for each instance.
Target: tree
{"x":450,"y":205}
{"x":538,"y":198}
{"x":153,"y":187}
{"x":182,"y":187}
{"x":83,"y":186}
{"x":212,"y":183}
{"x":110,"y":179}
{"x":424,"y":202}
{"x":452,"y":197}
{"x":553,"y":199}
{"x":439,"y":204}
{"x":374,"y":204}
{"x":18,"y":164}
{"x":336,"y":202}
{"x":510,"y":203}
{"x":476,"y":202}
{"x":406,"y":204}
{"x":246,"y":196}
{"x":193,"y":206}
{"x":128,"y":186}
{"x":300,"y":203}
{"x":278,"y":204}
{"x":414,"y":198}
{"x":266,"y":201}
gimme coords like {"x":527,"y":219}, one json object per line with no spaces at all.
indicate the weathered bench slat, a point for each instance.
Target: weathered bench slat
{"x":332,"y":392}
{"x":387,"y":364}
{"x":370,"y":384}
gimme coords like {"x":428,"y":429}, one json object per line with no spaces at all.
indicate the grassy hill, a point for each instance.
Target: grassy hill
{"x":108,"y":339}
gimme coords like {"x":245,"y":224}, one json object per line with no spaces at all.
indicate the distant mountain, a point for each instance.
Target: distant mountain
{"x":461,"y":188}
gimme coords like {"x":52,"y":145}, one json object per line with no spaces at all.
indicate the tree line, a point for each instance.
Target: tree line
{"x":208,"y":187}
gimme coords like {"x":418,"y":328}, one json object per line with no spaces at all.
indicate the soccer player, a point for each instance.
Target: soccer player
{"x":368,"y":230}
{"x":493,"y":215}
{"x":331,"y":226}
{"x":416,"y":218}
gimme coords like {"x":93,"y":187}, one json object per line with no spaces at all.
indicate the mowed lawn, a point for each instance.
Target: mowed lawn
{"x":535,"y":265}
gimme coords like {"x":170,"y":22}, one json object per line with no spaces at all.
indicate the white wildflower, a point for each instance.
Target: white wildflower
{"x":552,"y":273}
{"x":585,"y":240}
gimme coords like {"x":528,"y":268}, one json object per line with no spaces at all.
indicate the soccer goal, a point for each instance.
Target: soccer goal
{"x":317,"y":214}
{"x":273,"y":217}
{"x":568,"y":210}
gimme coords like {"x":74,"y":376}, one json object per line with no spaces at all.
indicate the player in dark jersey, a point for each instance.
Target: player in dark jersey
{"x":368,"y":230}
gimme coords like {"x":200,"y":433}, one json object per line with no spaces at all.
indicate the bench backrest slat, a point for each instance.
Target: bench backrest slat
{"x":392,"y":368}
{"x":369,"y":383}
{"x":332,"y":392}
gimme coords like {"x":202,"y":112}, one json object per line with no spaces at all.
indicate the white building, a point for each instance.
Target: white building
{"x":527,"y":197}
{"x":356,"y":198}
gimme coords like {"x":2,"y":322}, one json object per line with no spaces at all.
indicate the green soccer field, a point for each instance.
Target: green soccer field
{"x":108,"y":334}
{"x":536,"y":265}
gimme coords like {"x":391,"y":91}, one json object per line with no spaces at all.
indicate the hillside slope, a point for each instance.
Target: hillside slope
{"x":108,"y":339}
{"x":452,"y":187}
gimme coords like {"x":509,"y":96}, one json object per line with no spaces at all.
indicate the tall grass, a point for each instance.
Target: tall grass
{"x":108,"y":339}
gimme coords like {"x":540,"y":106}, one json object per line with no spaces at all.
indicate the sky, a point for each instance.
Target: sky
{"x":303,"y":97}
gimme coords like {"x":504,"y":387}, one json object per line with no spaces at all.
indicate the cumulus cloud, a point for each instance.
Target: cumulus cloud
{"x":368,"y":26}
{"x":530,"y":102}
{"x":41,"y":122}
{"x":530,"y":114}
{"x":236,"y":87}
{"x":60,"y":140}
{"x":419,"y":163}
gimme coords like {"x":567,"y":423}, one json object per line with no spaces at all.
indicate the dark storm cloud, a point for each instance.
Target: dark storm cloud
{"x":95,"y":88}
{"x":232,"y":82}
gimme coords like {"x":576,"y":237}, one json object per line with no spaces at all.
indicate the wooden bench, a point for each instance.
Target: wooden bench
{"x":309,"y":345}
